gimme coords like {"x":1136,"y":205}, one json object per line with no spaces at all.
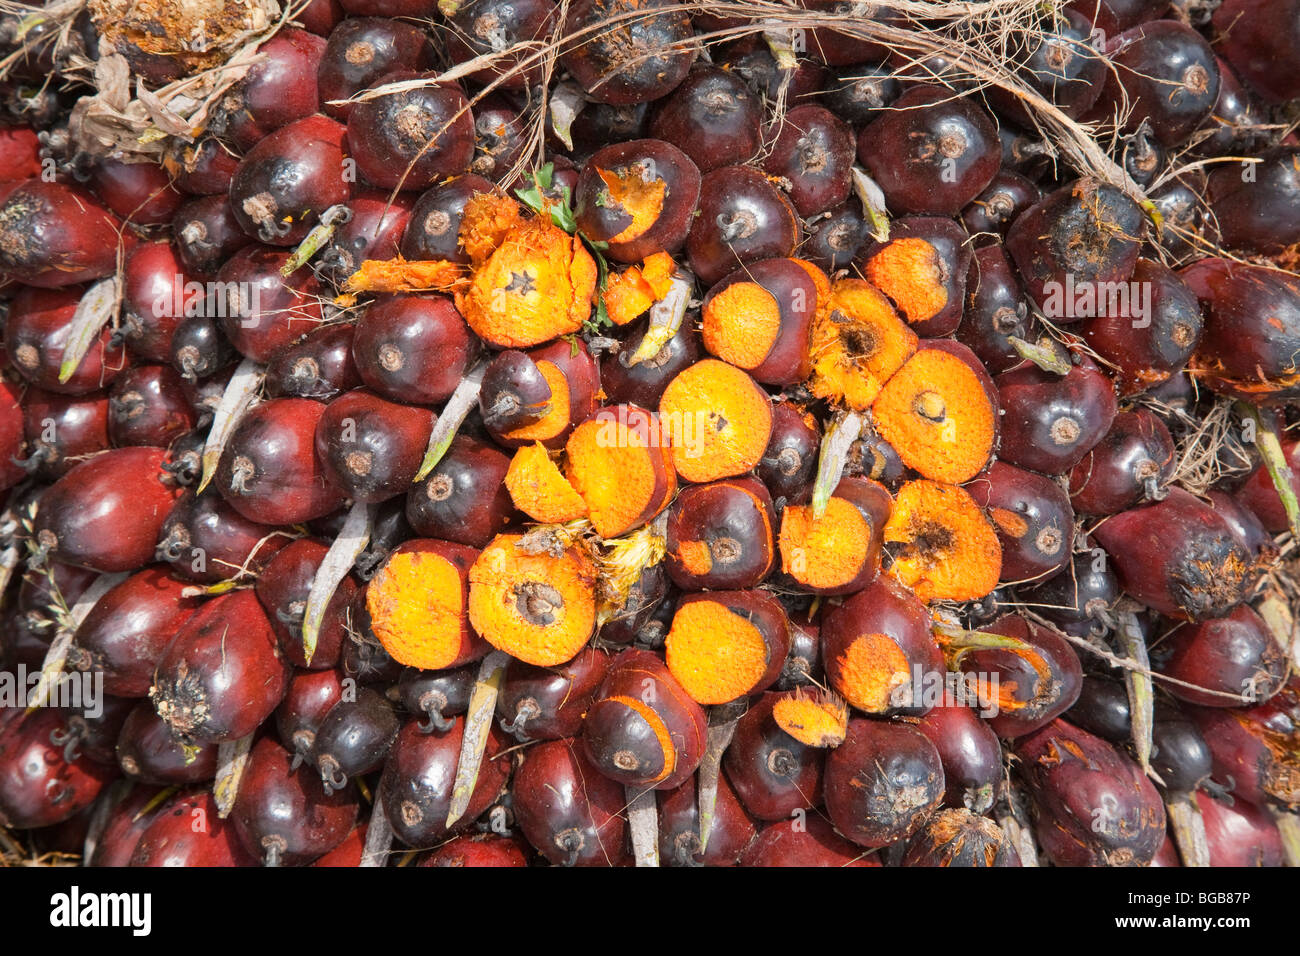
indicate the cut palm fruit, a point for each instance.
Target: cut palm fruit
{"x":940,"y":543}
{"x":539,"y":489}
{"x":719,"y":421}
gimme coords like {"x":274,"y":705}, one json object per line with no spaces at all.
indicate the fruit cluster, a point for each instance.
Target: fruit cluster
{"x":505,"y":433}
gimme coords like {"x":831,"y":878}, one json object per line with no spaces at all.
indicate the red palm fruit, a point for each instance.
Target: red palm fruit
{"x":1077,"y":599}
{"x":1261,"y":214}
{"x":285,"y":182}
{"x":1061,"y":62}
{"x":37,"y":333}
{"x":269,"y":471}
{"x":805,"y":841}
{"x":156,"y":296}
{"x":857,"y":93}
{"x":838,"y":553}
{"x":1255,"y":750}
{"x":567,"y":809}
{"x":1073,"y":245}
{"x":1110,"y":17}
{"x":127,"y":821}
{"x":434,"y":696}
{"x":310,"y":697}
{"x":1252,"y":328}
{"x":20,"y":154}
{"x":713,"y":117}
{"x":1095,"y":806}
{"x":548,"y":703}
{"x":490,"y":27}
{"x":679,"y":827}
{"x":834,"y":240}
{"x":148,"y":752}
{"x":574,"y":380}
{"x":208,"y":688}
{"x":464,"y":499}
{"x":500,"y":139}
{"x":803,"y":665}
{"x":774,"y":775}
{"x":970,"y":754}
{"x":362,"y":49}
{"x":147,"y":406}
{"x":814,"y":149}
{"x":260,"y":310}
{"x":433,"y":228}
{"x":932,"y":154}
{"x":188,"y":831}
{"x":319,"y":366}
{"x":481,"y":849}
{"x":1165,"y":74}
{"x":996,"y":310}
{"x":742,"y":218}
{"x":720,"y":535}
{"x":1178,"y":556}
{"x":141,"y":193}
{"x":372,"y":448}
{"x":202,"y":168}
{"x":204,"y":539}
{"x":1259,"y":495}
{"x":39,"y":786}
{"x":349,"y":852}
{"x":992,"y":212}
{"x":129,"y":628}
{"x":514,"y":392}
{"x":418,"y":776}
{"x":1032,"y":516}
{"x":876,"y":647}
{"x":1038,"y":678}
{"x":11,"y":433}
{"x":61,"y":431}
{"x":882,"y":782}
{"x":1246,"y":528}
{"x":643,"y":384}
{"x":106,"y":513}
{"x":374,"y":231}
{"x":1132,"y":463}
{"x":724,"y":645}
{"x":1148,"y":348}
{"x":640,"y":55}
{"x":922,"y":268}
{"x":278,"y":90}
{"x":758,"y":319}
{"x":413,"y":139}
{"x":283,"y":587}
{"x":286,"y":817}
{"x":639,"y":196}
{"x":643,"y":729}
{"x":1239,"y":833}
{"x":207,"y":233}
{"x":960,"y":838}
{"x":413,"y":348}
{"x":1259,"y":38}
{"x":788,"y":464}
{"x":1050,"y":422}
{"x":54,"y":235}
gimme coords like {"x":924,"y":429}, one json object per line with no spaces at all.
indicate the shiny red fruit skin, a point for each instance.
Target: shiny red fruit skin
{"x":269,"y":471}
{"x":38,"y":785}
{"x":129,"y":628}
{"x":54,"y":235}
{"x":106,"y":513}
{"x":209,"y":687}
{"x":809,"y":841}
{"x":36,"y":336}
{"x":189,"y":832}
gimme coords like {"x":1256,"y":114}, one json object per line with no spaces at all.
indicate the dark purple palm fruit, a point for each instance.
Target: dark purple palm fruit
{"x":354,"y":738}
{"x":1095,"y":806}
